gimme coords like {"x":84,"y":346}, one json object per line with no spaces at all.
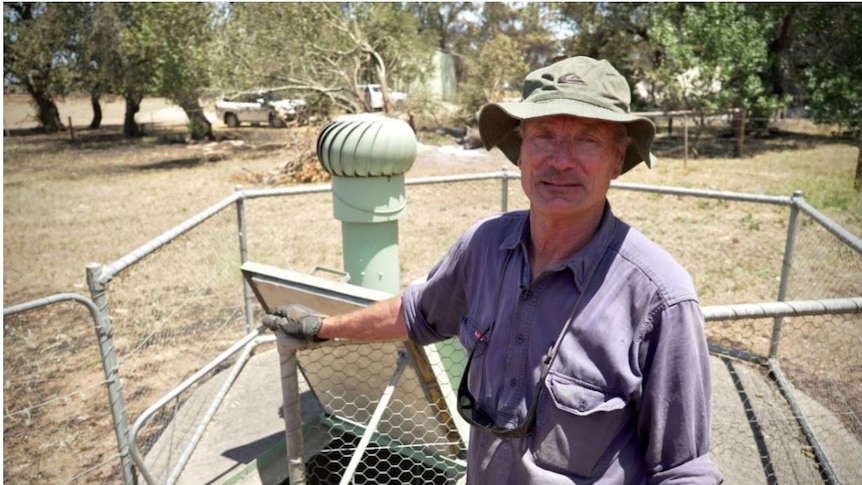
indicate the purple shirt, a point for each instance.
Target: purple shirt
{"x":627,"y":397}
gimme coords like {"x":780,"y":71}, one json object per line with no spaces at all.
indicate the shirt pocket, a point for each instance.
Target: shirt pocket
{"x":472,"y":334}
{"x":580,"y":428}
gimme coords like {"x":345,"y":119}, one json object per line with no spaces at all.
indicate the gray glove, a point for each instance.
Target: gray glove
{"x":295,"y":320}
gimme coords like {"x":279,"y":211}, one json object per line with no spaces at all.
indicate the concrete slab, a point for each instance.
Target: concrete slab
{"x":246,"y":425}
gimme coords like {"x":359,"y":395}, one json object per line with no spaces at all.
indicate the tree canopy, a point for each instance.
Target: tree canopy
{"x":761,"y":55}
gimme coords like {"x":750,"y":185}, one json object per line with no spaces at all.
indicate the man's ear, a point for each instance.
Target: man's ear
{"x":618,"y":167}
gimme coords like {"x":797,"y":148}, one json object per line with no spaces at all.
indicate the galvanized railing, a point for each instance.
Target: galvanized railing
{"x":100,"y":278}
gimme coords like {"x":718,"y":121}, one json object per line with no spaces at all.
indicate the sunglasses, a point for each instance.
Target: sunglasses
{"x":469,"y":409}
{"x":467,"y":405}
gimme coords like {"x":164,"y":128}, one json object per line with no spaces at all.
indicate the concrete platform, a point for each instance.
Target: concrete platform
{"x":756,"y":438}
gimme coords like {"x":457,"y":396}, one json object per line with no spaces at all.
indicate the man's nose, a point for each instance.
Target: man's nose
{"x":565,"y":152}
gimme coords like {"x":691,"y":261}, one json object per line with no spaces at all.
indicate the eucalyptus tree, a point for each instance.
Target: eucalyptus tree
{"x":96,"y":53}
{"x":445,"y":21}
{"x":128,"y":53}
{"x":183,"y":33}
{"x":831,"y":63}
{"x":36,"y":54}
{"x":489,"y":73}
{"x":618,"y":32}
{"x":322,"y":50}
{"x":709,"y":45}
{"x":139,"y":49}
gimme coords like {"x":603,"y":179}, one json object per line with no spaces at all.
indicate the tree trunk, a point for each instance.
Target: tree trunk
{"x":777,"y":50}
{"x":133,"y":105}
{"x":95,"y":96}
{"x":200,"y":127}
{"x":380,"y":67}
{"x":46,"y":109}
{"x":738,"y":125}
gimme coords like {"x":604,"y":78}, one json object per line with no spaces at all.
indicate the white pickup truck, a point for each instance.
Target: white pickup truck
{"x":373,"y":95}
{"x":258,"y":108}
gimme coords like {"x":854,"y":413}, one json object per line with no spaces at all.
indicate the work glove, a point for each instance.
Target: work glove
{"x":295,"y":320}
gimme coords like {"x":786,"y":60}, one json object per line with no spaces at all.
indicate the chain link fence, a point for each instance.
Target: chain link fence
{"x":179,"y":303}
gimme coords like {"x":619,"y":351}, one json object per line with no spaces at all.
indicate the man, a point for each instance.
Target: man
{"x":587,"y":357}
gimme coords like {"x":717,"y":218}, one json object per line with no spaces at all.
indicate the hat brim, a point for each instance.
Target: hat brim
{"x":498,"y":126}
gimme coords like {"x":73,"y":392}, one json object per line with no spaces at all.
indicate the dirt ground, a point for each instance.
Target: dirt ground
{"x":83,"y":195}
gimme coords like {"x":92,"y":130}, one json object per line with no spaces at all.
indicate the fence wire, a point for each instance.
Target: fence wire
{"x":55,"y":430}
{"x":176,"y":309}
{"x":172,"y":313}
{"x":757,"y":435}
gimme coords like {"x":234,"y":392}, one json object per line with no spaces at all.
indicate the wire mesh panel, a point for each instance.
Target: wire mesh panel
{"x":755,"y":436}
{"x":816,"y":382}
{"x":732,"y":250}
{"x":55,"y":430}
{"x":821,"y":359}
{"x":411,"y":444}
{"x":823,"y":266}
{"x":436,"y":215}
{"x":173,"y":312}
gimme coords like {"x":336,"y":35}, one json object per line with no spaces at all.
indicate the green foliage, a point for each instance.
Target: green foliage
{"x":496,"y":68}
{"x":37,"y":43}
{"x":618,"y":32}
{"x":717,"y":43}
{"x":760,"y":53}
{"x":832,"y":39}
{"x":321,"y":49}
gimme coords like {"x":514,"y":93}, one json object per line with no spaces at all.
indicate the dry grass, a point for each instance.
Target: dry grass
{"x":96,"y":199}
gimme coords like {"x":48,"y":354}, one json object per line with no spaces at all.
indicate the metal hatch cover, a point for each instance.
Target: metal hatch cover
{"x":276,"y":286}
{"x":350,"y":372}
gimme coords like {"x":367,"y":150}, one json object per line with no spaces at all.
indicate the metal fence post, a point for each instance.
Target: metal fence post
{"x":105,"y":335}
{"x":243,"y":257}
{"x":287,"y":347}
{"x":504,"y":199}
{"x":786,"y":267}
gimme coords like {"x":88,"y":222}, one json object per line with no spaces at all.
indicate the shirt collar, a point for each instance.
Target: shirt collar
{"x":584,"y":262}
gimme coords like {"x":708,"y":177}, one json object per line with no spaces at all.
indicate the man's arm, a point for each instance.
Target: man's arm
{"x":383,"y":320}
{"x":675,"y":411}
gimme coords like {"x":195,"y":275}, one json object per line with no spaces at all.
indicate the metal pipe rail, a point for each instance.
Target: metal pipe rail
{"x":98,"y":276}
{"x":844,"y":235}
{"x":109,"y":366}
{"x":780,"y":309}
{"x":246,"y":344}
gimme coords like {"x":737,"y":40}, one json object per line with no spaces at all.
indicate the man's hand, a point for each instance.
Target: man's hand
{"x":295,"y":320}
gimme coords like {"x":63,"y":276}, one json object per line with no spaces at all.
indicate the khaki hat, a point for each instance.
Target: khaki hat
{"x":578,"y":86}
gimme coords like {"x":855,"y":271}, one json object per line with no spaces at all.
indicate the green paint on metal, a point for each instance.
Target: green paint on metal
{"x":371,"y":255}
{"x":368,"y":199}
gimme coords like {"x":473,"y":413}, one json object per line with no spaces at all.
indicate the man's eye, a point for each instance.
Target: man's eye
{"x":588,"y":139}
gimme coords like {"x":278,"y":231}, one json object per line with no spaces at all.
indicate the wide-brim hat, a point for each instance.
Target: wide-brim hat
{"x":578,"y":86}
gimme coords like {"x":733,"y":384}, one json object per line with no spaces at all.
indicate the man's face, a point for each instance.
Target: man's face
{"x":567,"y":163}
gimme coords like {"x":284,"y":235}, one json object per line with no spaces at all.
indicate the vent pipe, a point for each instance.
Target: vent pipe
{"x":367,"y":156}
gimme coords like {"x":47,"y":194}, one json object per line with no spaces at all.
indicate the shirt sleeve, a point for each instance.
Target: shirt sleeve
{"x":674,"y":416}
{"x":433,"y":308}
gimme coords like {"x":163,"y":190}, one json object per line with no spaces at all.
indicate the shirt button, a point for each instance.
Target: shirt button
{"x":520,"y":339}
{"x":513,"y":382}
